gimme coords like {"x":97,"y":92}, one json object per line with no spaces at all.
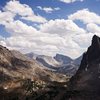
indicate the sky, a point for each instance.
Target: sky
{"x":48,"y":27}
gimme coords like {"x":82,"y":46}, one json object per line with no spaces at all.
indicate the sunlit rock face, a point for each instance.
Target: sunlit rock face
{"x":88,"y":75}
{"x":15,"y":65}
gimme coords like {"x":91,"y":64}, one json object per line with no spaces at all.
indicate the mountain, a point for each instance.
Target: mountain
{"x":31,"y":55}
{"x":87,"y":78}
{"x":77,"y":61}
{"x":14,"y":65}
{"x":63,"y":59}
{"x":19,"y":55}
{"x":48,"y":61}
{"x":59,"y":63}
{"x":68,"y":66}
{"x":68,"y":69}
{"x":85,"y":84}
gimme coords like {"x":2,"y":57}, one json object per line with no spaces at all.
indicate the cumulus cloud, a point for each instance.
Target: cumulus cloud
{"x":26,"y":12}
{"x":93,"y":28}
{"x":70,"y":1}
{"x":55,"y":36}
{"x":17,"y":28}
{"x":61,"y":27}
{"x":83,"y":40}
{"x":6,"y":17}
{"x":48,"y":9}
{"x":85,"y":16}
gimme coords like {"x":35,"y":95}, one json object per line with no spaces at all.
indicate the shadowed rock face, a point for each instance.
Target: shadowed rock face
{"x":63,"y":59}
{"x":88,"y":75}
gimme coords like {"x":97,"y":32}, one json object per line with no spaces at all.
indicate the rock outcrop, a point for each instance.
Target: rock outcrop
{"x":87,"y":77}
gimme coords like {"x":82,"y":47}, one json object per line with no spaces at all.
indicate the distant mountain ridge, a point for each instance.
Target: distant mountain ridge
{"x":63,"y":59}
{"x":59,"y":63}
{"x":31,"y":55}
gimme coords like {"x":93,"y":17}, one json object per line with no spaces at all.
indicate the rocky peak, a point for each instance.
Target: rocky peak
{"x":92,"y":52}
{"x":5,"y":55}
{"x":4,"y":50}
{"x":63,"y":59}
{"x":88,"y":75}
{"x":96,"y":41}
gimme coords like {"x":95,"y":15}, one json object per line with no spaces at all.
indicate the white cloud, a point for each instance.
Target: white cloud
{"x":83,"y":40}
{"x":17,"y":28}
{"x":48,"y":9}
{"x":46,"y":40}
{"x":2,"y":41}
{"x":6,"y":17}
{"x":70,"y":1}
{"x":26,"y":12}
{"x":61,"y":27}
{"x":37,"y":18}
{"x":26,"y":38}
{"x":85,"y":16}
{"x":91,"y":27}
{"x":57,"y":8}
{"x":55,"y":36}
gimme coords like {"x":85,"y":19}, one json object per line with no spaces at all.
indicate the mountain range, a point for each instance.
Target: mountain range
{"x":15,"y":65}
{"x":81,"y":75}
{"x":59,"y":63}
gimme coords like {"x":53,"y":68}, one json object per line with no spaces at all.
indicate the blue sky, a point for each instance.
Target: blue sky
{"x":66,"y":8}
{"x":49,"y":26}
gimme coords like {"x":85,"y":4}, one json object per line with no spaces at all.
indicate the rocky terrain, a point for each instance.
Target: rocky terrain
{"x":59,"y":63}
{"x":84,"y":85}
{"x":14,"y":65}
{"x":48,"y":62}
{"x":88,"y":75}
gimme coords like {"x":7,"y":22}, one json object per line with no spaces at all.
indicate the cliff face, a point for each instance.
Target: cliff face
{"x":88,"y":75}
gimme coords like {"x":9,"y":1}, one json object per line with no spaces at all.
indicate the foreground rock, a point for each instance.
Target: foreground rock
{"x":85,"y":84}
{"x":87,"y":77}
